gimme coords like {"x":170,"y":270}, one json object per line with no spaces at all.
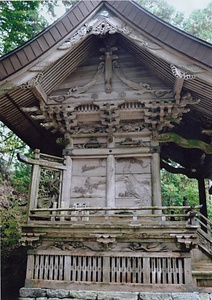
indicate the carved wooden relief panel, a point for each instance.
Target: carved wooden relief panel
{"x":133,"y":181}
{"x":88,"y":182}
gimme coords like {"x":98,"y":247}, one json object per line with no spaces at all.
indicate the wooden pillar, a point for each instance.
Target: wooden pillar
{"x":35,"y":178}
{"x":66,"y":188}
{"x":110,"y":189}
{"x":156,"y":181}
{"x":202,"y":197}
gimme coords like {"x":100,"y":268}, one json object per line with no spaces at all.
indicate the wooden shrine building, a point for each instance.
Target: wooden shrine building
{"x":106,"y":96}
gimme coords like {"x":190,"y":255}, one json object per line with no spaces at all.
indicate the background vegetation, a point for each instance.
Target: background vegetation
{"x":22,"y":20}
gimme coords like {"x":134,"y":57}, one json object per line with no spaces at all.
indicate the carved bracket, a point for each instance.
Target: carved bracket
{"x":188,"y":241}
{"x":31,"y":239}
{"x":107,"y":241}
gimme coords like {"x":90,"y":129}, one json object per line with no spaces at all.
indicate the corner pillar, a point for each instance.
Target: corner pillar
{"x":155,"y":172}
{"x":110,"y":190}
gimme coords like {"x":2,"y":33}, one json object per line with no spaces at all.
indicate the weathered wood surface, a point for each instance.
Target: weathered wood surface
{"x":110,"y":268}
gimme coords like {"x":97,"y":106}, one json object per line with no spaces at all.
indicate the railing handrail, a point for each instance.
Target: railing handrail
{"x":89,"y":208}
{"x":203,"y":217}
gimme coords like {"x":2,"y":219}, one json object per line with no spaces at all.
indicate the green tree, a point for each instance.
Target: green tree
{"x":22,"y":20}
{"x":199,"y":23}
{"x":19,"y":21}
{"x":165,"y":11}
{"x":177,"y":186}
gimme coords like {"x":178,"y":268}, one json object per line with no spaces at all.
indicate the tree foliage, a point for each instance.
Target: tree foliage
{"x":19,"y":21}
{"x":199,"y":22}
{"x":163,"y":10}
{"x":22,"y":20}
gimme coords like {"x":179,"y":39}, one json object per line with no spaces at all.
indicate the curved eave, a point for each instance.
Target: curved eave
{"x":162,"y":31}
{"x":32,"y":50}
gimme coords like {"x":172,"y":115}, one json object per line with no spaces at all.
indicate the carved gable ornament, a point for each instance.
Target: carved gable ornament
{"x":106,"y":23}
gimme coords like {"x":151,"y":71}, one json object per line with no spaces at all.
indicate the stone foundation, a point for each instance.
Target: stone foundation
{"x":45,"y":294}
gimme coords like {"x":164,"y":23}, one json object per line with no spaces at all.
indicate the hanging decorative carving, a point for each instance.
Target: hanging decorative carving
{"x":103,"y":28}
{"x":79,"y":35}
{"x":131,"y":84}
{"x":179,"y":73}
{"x":75,"y":92}
{"x":32,"y":82}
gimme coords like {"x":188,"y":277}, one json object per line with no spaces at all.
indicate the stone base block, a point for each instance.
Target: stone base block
{"x":56,"y":294}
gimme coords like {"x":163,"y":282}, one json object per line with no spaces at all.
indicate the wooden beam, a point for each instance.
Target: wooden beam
{"x":39,"y":93}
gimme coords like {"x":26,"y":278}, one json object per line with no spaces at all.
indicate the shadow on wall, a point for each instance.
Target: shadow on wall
{"x":13,"y":272}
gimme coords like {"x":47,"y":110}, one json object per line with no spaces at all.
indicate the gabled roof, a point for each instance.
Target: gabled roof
{"x":161,"y":31}
{"x":34,"y":70}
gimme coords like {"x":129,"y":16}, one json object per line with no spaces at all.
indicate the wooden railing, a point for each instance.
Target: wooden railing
{"x":204,"y":233}
{"x":166,"y":215}
{"x":206,"y":225}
